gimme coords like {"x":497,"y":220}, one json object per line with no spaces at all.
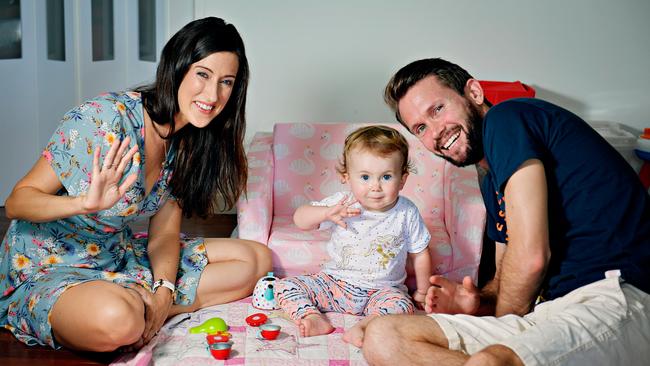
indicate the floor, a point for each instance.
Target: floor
{"x":13,"y":352}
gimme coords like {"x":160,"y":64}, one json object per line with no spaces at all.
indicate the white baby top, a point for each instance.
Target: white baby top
{"x":372,"y":250}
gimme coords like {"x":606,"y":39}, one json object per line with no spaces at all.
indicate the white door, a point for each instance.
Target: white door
{"x":35,"y":91}
{"x":18,"y":103}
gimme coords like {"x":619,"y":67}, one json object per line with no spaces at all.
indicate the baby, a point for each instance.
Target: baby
{"x":373,"y":231}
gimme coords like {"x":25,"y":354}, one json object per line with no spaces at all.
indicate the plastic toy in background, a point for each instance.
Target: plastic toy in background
{"x":643,"y":152}
{"x":263,"y":296}
{"x":498,"y":91}
{"x":621,"y":138}
{"x":257,"y":319}
{"x":269,"y":331}
{"x":210,"y":326}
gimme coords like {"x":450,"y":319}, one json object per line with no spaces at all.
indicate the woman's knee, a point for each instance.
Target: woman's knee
{"x":258,"y":259}
{"x":102,"y":323}
{"x":263,"y":258}
{"x":127,"y":313}
{"x":120,"y":320}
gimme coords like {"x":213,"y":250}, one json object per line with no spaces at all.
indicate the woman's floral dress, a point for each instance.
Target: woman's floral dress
{"x":41,"y":260}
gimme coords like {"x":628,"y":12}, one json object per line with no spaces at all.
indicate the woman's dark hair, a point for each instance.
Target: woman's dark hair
{"x":448,"y":74}
{"x":210,"y":164}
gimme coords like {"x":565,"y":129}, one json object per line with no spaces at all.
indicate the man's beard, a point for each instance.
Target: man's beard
{"x":474,"y":138}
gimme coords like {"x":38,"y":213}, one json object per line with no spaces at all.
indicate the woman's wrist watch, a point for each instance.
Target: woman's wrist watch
{"x":162,"y":283}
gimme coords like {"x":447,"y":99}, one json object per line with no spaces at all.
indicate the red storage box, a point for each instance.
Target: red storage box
{"x":498,"y":91}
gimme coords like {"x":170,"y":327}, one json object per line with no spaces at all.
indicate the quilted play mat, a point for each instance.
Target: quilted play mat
{"x":175,"y":345}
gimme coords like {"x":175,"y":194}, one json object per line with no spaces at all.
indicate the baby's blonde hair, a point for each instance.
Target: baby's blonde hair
{"x":380,"y":140}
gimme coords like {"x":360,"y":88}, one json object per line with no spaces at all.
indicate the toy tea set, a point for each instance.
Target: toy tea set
{"x":218,"y":338}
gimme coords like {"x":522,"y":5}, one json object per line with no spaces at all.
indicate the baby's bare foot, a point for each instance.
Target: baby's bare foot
{"x":315,"y":325}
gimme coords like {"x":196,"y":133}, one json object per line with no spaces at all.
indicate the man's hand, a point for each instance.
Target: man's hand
{"x":448,"y":297}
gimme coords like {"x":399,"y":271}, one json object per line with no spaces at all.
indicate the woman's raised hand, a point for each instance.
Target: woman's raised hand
{"x":104,"y":191}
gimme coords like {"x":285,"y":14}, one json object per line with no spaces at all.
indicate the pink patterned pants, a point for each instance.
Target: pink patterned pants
{"x":300,"y":296}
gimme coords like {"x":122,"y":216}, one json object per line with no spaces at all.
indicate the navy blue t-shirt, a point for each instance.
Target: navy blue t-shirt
{"x":599,"y":213}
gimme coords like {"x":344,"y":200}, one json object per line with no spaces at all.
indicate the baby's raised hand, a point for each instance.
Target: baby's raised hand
{"x":104,"y":191}
{"x":342,"y":210}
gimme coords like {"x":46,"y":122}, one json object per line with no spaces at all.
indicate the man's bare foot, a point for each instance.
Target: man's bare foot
{"x":314,"y":325}
{"x":354,"y":335}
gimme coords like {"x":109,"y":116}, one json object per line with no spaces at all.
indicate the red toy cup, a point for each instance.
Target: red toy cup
{"x":220,"y":350}
{"x":269,"y":331}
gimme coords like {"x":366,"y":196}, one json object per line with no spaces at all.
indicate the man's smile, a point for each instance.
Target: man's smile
{"x":450,"y":142}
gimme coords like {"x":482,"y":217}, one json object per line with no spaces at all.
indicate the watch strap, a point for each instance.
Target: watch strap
{"x":163,"y":283}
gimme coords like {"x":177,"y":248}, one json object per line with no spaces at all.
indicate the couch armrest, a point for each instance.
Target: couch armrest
{"x":255,"y":210}
{"x":465,"y":220}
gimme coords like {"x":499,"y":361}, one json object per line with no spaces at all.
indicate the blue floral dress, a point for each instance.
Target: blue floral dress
{"x":41,"y":260}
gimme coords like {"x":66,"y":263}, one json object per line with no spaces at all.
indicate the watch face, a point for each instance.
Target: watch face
{"x":156,"y":285}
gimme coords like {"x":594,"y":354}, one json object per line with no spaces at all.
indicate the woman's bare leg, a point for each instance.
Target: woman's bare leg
{"x":234,"y":266}
{"x":97,"y":316}
{"x":101,"y":316}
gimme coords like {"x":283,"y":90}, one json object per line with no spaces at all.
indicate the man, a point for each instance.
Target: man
{"x":572,"y":223}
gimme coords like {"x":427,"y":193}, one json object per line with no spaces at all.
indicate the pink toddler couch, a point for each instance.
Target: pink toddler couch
{"x":296,"y":164}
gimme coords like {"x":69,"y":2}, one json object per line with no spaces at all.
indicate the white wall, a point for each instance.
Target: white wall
{"x":179,"y":13}
{"x":330,"y":60}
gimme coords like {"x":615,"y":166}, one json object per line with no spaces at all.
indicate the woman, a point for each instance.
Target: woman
{"x":72,"y":273}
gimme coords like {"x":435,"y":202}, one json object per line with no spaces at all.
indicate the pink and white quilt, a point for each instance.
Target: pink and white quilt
{"x":174,"y":345}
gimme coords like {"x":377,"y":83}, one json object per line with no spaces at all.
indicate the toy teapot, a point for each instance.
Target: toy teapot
{"x":263,"y":296}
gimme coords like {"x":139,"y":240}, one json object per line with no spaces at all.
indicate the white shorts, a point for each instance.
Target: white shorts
{"x":604,"y":323}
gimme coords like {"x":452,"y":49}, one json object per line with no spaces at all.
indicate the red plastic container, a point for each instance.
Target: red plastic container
{"x":498,"y":91}
{"x":221,"y":350}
